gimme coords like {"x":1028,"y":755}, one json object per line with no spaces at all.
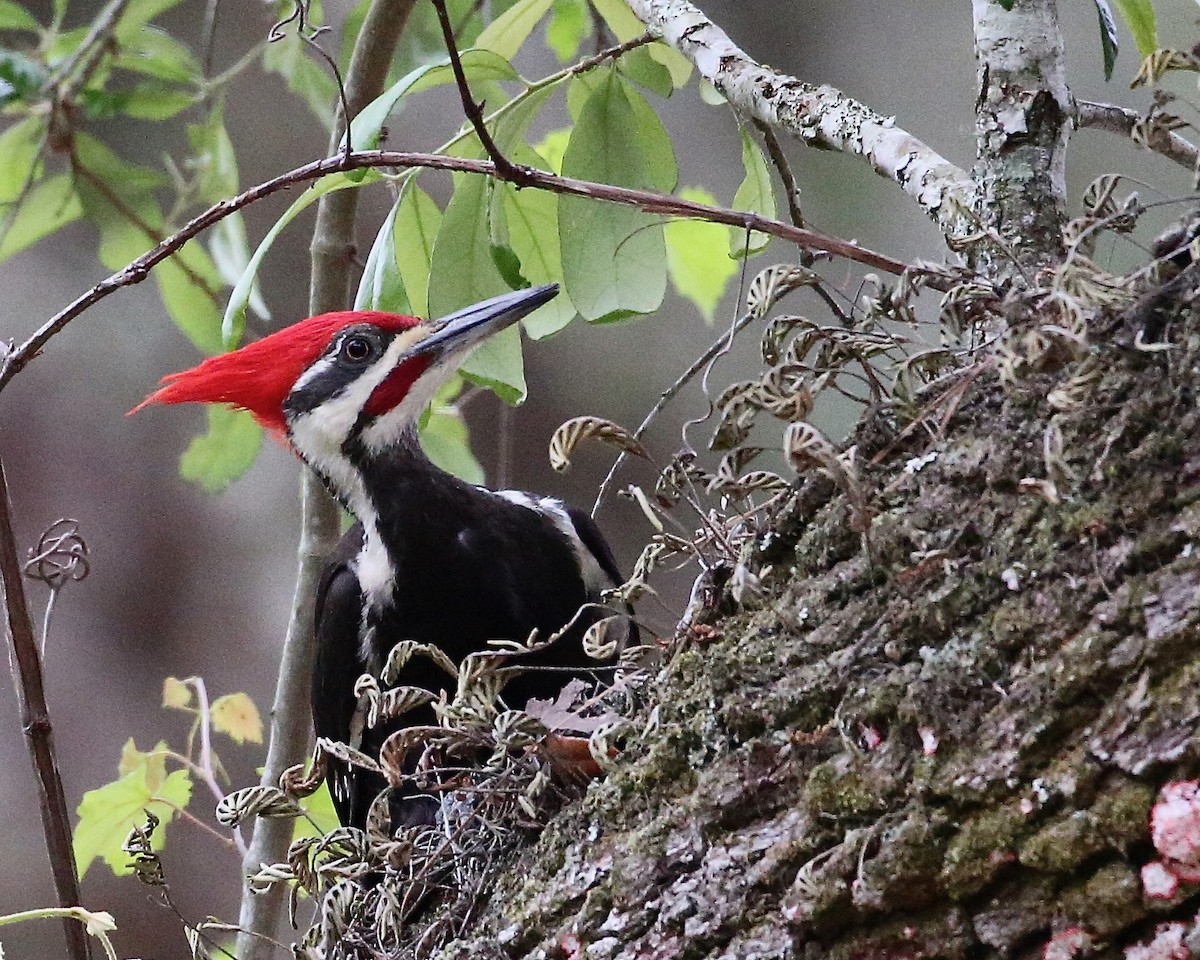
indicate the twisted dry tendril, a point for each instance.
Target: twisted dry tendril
{"x":61,"y":555}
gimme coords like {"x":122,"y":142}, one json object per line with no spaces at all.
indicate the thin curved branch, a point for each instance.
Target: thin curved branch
{"x":818,"y":115}
{"x":646,"y":200}
{"x":1119,"y":120}
{"x":39,"y":735}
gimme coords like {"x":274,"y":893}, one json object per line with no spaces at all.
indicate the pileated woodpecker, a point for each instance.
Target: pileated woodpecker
{"x":431,"y":558}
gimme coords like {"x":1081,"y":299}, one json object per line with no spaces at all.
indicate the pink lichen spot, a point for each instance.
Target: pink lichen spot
{"x":929,"y":741}
{"x":1066,"y":944}
{"x":1026,"y":806}
{"x":1175,"y":822}
{"x":871,"y":738}
{"x":1158,"y":881}
{"x":1167,"y":945}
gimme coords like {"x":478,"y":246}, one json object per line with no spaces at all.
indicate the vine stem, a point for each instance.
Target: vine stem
{"x":39,"y":734}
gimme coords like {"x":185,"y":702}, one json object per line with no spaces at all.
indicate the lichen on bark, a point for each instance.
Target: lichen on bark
{"x":949,"y":750}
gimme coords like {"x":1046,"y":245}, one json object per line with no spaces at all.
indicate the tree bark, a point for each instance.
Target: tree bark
{"x":1021,"y":126}
{"x":950,"y":749}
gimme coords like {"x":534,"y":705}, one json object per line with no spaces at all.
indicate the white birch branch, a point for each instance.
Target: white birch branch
{"x":1122,"y":121}
{"x":818,"y":115}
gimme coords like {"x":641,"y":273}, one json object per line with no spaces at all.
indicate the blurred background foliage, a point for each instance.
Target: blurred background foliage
{"x":181,"y":110}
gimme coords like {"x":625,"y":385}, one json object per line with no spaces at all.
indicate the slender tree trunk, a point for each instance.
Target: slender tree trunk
{"x":1021,"y":124}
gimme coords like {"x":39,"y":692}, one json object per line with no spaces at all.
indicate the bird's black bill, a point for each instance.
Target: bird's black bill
{"x":468,"y":326}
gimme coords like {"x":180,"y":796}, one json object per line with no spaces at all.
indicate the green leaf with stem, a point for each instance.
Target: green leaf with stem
{"x":444,"y":435}
{"x":48,"y":207}
{"x":614,"y":258}
{"x":755,"y":194}
{"x":224,"y":452}
{"x":108,"y":813}
{"x":698,"y":256}
{"x":418,"y":220}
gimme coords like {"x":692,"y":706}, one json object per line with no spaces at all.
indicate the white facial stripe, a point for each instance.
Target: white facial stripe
{"x":318,"y":434}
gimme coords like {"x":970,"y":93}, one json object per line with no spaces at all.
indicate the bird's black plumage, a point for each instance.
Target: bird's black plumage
{"x":468,"y":566}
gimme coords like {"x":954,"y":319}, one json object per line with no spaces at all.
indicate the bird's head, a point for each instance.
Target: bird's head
{"x":353,"y":377}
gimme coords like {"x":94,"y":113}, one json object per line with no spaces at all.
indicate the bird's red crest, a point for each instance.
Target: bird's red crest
{"x":259,"y":376}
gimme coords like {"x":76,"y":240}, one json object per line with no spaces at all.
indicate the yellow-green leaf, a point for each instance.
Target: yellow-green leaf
{"x":236,"y":716}
{"x":1139,"y":18}
{"x":756,"y":194}
{"x":417,"y":222}
{"x":176,"y":695}
{"x":698,"y":256}
{"x":506,"y":34}
{"x":108,"y":813}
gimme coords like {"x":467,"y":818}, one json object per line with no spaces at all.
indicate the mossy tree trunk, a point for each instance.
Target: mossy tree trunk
{"x":948,"y":749}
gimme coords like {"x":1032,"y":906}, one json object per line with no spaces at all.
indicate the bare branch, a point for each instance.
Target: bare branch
{"x":39,"y":735}
{"x":1119,"y":120}
{"x":646,"y":200}
{"x":818,"y":115}
{"x":472,"y":110}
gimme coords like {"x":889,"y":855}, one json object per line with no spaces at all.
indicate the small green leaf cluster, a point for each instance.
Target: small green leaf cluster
{"x":161,"y":781}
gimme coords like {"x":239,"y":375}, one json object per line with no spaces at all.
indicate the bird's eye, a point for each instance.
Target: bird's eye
{"x":356,"y":349}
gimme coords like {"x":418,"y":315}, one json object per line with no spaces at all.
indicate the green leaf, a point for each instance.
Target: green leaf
{"x":140,"y":12}
{"x":1108,"y":37}
{"x":107,"y":814}
{"x":187,"y":283}
{"x":418,"y":220}
{"x":227,"y":450}
{"x":15,"y":17}
{"x":570,"y":21}
{"x":553,"y":146}
{"x":680,"y":67}
{"x":1139,"y":18}
{"x":614,"y":257}
{"x":698,"y":256}
{"x":444,"y":439}
{"x":51,"y":205}
{"x":233,"y":324}
{"x":463,"y":272}
{"x":19,"y":146}
{"x":1006,"y":4}
{"x":291,"y":59}
{"x":478,"y":65}
{"x":622,"y":21}
{"x":20,"y":77}
{"x":756,"y":194}
{"x":156,"y":53}
{"x":319,"y":807}
{"x":382,"y":287}
{"x":511,"y":29}
{"x":640,"y":67}
{"x":532,"y":220}
{"x":581,"y":88}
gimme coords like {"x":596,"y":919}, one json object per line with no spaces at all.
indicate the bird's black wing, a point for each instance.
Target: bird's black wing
{"x":337,"y":666}
{"x":593,"y":540}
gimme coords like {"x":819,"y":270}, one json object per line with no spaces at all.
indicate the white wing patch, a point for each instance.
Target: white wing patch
{"x":594,"y":577}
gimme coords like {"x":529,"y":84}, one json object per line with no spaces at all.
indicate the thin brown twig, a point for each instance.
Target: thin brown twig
{"x":472,"y":109}
{"x":648,"y":201}
{"x":791,"y":189}
{"x":39,"y":734}
{"x":700,"y":363}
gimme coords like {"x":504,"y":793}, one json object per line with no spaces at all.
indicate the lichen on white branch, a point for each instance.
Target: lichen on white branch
{"x":819,"y":115}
